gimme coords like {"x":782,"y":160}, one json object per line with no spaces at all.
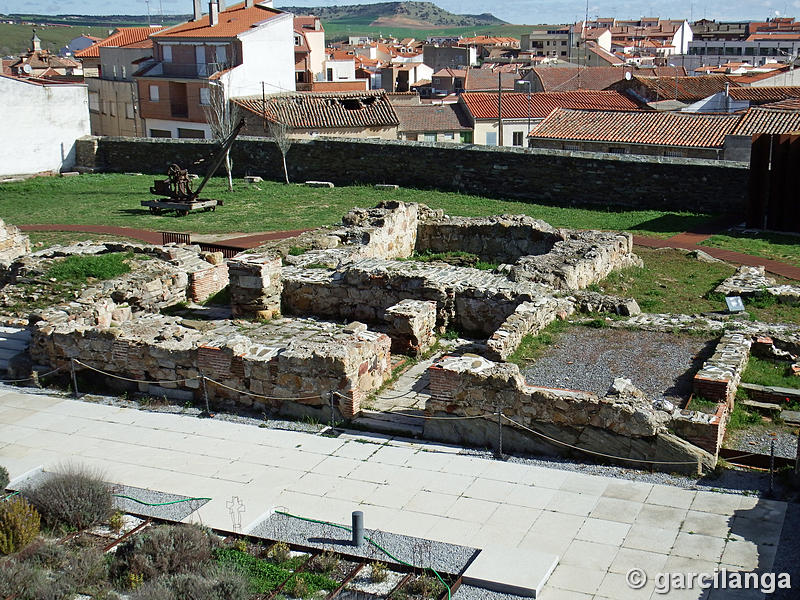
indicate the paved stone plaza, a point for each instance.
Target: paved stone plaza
{"x":599,"y":527}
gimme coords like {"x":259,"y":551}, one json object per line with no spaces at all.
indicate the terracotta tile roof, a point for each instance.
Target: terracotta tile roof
{"x":787,"y":104}
{"x":432,"y":117}
{"x":562,"y":79}
{"x":768,"y":120}
{"x":233,"y":21}
{"x":43,"y":59}
{"x":307,"y":21}
{"x":749,"y":79}
{"x":642,"y":127}
{"x":769,"y":36}
{"x":483,"y":105}
{"x":325,"y":110}
{"x":448,"y":72}
{"x":122,"y":37}
{"x":611,"y":59}
{"x":684,"y":88}
{"x":759,"y":95}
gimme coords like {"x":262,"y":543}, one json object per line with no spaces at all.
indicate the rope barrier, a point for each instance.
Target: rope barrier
{"x":227,"y":387}
{"x":32,"y":378}
{"x":636,"y":460}
{"x":387,"y":412}
{"x":184,"y":380}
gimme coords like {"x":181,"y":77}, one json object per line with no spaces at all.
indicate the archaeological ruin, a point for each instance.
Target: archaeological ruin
{"x":313,"y":326}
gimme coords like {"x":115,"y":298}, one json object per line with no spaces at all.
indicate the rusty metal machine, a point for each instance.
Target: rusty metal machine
{"x":176,"y":190}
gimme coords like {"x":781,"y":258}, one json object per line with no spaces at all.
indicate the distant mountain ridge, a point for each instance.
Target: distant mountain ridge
{"x":421,"y":15}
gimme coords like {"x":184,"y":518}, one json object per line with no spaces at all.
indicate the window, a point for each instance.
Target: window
{"x":411,"y":137}
{"x":205,"y":96}
{"x":114,"y":71}
{"x":129,"y":111}
{"x":571,"y":147}
{"x":94,"y":101}
{"x":297,"y":40}
{"x":614,"y":150}
{"x":429,"y":137}
{"x":166,"y":52}
{"x":160,"y":133}
{"x":466,"y":137}
{"x":112,"y":108}
{"x":448,"y":137}
{"x":222,"y":55}
{"x":491,"y":138}
{"x":153,"y":93}
{"x":675,"y":153}
{"x":124,"y":72}
{"x":197,"y":134}
{"x":329,"y":74}
{"x":517,"y":138}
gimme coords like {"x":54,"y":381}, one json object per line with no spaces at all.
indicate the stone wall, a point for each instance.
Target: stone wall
{"x":721,"y":374}
{"x":387,"y":231}
{"x":622,"y":424}
{"x":529,"y":318}
{"x":750,"y":282}
{"x":256,"y":286}
{"x":282,"y":371}
{"x":704,"y":430}
{"x":545,"y":176}
{"x":471,"y":300}
{"x":13,"y":243}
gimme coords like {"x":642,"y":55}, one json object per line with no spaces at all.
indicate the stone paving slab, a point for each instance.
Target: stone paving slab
{"x":599,"y":522}
{"x":521,"y":572}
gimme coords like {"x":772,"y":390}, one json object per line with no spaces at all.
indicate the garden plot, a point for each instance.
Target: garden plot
{"x":660,"y":364}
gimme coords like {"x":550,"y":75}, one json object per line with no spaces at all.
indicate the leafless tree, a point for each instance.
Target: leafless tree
{"x":279,"y":131}
{"x":222,"y":117}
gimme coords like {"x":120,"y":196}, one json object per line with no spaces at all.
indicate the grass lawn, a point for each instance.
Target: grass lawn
{"x":775,"y":373}
{"x":774,"y":246}
{"x":672,"y":282}
{"x":114,"y":199}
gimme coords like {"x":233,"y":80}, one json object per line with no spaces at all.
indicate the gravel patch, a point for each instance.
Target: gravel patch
{"x":661,"y":365}
{"x":445,"y":558}
{"x":363,"y":582}
{"x":759,"y":440}
{"x":470,"y":592}
{"x":171,"y":512}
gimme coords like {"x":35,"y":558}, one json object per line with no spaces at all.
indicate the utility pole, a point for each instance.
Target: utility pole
{"x":500,"y":108}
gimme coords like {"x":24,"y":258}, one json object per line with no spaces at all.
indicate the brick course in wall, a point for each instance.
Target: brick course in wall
{"x":546,"y":176}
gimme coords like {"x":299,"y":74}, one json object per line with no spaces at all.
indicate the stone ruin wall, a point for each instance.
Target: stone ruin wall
{"x":13,"y":243}
{"x":623,"y":423}
{"x":720,"y":376}
{"x":158,"y":348}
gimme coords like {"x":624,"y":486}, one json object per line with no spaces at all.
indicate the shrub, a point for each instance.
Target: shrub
{"x":326,"y":562}
{"x":116,"y":521}
{"x":25,"y":581}
{"x":163,"y":550}
{"x":426,"y":586}
{"x":379,"y":572}
{"x":280,"y":552}
{"x":214,"y":584}
{"x":47,"y":554}
{"x":74,"y":497}
{"x":19,"y":525}
{"x":3,"y":478}
{"x":85,"y":569}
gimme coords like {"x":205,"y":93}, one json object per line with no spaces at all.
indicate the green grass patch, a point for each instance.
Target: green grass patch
{"x":80,"y":268}
{"x":740,"y":418}
{"x":221,"y":298}
{"x":774,"y":246}
{"x":774,"y":373}
{"x":306,"y":585}
{"x":533,"y":346}
{"x":702,"y":405}
{"x":15,"y":39}
{"x":114,"y":199}
{"x":262,"y":575}
{"x":455,"y":258}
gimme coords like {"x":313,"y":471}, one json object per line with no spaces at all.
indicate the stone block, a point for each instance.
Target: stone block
{"x":319,"y":184}
{"x":411,"y":326}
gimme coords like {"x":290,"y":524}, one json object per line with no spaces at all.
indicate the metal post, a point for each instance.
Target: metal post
{"x":207,"y":413}
{"x":358,"y":528}
{"x":330,"y":402}
{"x":797,"y":459}
{"x":771,"y":467}
{"x":74,"y":378}
{"x":499,"y":450}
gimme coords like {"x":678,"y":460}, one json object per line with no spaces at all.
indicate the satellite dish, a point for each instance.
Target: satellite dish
{"x":26,"y":68}
{"x":628,"y":76}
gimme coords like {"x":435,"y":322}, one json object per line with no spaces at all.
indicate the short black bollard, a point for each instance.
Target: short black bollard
{"x":358,"y":528}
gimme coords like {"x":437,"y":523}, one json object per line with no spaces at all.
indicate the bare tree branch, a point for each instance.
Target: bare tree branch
{"x":222,"y":117}
{"x":279,"y":130}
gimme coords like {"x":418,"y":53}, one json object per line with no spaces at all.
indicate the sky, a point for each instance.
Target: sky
{"x":513,"y":11}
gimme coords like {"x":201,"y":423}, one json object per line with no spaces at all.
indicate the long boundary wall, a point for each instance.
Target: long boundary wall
{"x":534,"y":175}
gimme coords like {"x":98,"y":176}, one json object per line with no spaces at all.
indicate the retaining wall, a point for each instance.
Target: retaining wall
{"x":545,"y":176}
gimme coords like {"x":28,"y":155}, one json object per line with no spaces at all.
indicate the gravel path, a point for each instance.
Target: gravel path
{"x":759,"y":440}
{"x":470,"y":592}
{"x":586,"y":359}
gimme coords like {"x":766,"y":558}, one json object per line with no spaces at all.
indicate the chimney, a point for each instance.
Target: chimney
{"x":213,"y":13}
{"x":221,"y":4}
{"x":249,"y":3}
{"x":198,"y":10}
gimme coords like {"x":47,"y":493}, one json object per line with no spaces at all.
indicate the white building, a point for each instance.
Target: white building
{"x":43,"y":120}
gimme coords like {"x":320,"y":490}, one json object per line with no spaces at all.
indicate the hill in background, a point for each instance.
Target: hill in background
{"x":412,"y":15}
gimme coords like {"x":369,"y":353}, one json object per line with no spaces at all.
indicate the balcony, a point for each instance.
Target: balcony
{"x":183,"y":70}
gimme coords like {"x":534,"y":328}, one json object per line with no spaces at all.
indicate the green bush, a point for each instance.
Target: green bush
{"x":3,"y":479}
{"x":25,"y":581}
{"x":101,"y":266}
{"x":72,"y":498}
{"x":163,"y":550}
{"x":213,"y":583}
{"x":262,"y":575}
{"x":19,"y":525}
